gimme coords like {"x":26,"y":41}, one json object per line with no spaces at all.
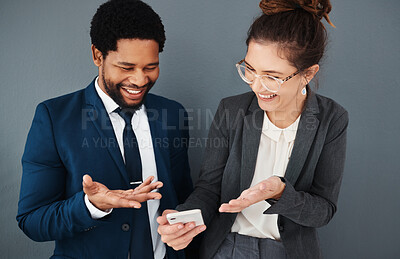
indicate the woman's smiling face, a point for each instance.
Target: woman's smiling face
{"x":267,"y":59}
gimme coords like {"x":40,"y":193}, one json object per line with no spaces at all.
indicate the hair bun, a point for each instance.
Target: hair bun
{"x":318,"y":8}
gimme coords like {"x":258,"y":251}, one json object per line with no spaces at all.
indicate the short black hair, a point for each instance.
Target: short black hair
{"x":125,"y":19}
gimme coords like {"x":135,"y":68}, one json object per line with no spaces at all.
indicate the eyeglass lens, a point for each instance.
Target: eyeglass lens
{"x":249,"y":76}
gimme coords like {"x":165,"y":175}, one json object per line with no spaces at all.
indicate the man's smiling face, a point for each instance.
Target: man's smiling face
{"x":128,"y":73}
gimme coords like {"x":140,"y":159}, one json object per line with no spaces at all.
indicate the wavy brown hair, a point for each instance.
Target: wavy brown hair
{"x":295,"y":25}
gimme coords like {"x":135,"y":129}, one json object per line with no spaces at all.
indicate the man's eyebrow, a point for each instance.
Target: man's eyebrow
{"x":132,"y":65}
{"x":265,"y":71}
{"x":126,"y":64}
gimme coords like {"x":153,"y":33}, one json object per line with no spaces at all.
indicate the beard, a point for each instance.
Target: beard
{"x":114,"y":91}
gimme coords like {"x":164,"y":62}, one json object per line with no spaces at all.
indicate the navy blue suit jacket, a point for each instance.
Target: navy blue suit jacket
{"x":71,"y":136}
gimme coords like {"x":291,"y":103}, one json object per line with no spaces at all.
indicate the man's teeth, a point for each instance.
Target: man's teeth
{"x":267,"y":96}
{"x":133,"y":91}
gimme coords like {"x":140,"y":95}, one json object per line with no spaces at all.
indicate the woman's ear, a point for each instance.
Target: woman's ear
{"x":97,"y":56}
{"x":311,"y":72}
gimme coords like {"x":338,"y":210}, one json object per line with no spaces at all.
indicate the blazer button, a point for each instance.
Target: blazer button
{"x":281,"y":228}
{"x":125,"y":227}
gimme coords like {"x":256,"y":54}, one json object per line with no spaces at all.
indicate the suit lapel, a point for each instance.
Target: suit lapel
{"x":159,"y":136}
{"x":306,"y":131}
{"x":252,"y":127}
{"x":98,"y":115}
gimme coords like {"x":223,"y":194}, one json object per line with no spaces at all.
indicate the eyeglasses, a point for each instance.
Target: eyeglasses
{"x":270,"y":83}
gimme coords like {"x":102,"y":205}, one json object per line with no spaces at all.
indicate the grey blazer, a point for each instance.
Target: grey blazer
{"x":313,"y":175}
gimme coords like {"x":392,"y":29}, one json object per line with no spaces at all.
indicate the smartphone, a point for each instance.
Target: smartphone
{"x":185,"y":217}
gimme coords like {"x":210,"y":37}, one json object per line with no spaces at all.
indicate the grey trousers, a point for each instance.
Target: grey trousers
{"x":236,"y":246}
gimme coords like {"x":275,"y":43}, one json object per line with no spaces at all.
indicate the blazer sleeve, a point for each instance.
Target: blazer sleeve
{"x":316,"y":207}
{"x":44,"y":211}
{"x":206,"y":195}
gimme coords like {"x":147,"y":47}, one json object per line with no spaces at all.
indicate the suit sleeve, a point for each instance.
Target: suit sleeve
{"x":44,"y":211}
{"x":316,"y":207}
{"x":206,"y":195}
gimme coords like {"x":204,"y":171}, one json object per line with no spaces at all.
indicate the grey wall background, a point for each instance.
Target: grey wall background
{"x":45,"y":52}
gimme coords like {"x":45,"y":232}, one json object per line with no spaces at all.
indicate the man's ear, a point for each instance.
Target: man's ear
{"x":97,"y":56}
{"x":311,"y":72}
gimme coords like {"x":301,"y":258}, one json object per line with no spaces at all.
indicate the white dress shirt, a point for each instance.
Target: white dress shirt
{"x":273,"y":156}
{"x":140,"y":125}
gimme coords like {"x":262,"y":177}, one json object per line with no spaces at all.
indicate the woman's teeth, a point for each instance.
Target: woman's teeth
{"x":267,"y":96}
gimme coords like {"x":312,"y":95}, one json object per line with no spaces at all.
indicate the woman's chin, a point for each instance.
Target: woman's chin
{"x":267,"y":106}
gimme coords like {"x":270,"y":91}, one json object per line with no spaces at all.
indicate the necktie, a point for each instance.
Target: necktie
{"x":141,"y":243}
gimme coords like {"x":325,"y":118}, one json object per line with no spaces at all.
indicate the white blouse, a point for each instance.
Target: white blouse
{"x":273,"y":156}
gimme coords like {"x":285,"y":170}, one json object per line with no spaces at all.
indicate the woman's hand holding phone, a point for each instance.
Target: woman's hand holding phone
{"x":179,"y":235}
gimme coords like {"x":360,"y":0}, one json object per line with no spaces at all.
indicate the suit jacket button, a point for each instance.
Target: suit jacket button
{"x":125,"y":227}
{"x":281,"y":228}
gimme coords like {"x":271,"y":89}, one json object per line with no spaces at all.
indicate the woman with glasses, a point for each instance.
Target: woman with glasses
{"x":275,"y":156}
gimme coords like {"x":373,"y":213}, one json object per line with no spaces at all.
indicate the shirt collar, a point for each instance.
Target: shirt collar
{"x":274,"y":133}
{"x":108,"y":102}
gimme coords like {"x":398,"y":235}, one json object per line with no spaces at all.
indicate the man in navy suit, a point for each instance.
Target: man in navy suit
{"x":95,"y":159}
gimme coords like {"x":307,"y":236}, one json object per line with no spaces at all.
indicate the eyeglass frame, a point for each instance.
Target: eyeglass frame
{"x":280,"y":81}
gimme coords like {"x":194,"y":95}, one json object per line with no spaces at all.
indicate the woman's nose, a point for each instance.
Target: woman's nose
{"x":256,"y":85}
